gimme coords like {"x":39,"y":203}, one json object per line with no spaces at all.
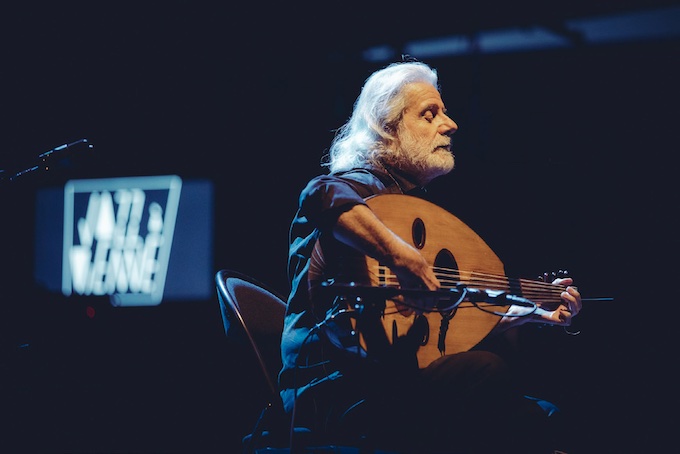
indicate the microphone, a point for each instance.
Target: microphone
{"x":498,"y":297}
{"x":44,"y":160}
{"x":64,"y":149}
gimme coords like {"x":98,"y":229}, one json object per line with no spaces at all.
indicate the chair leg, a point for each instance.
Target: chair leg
{"x":250,"y":445}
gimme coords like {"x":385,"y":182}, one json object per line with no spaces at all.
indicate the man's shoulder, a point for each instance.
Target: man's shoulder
{"x":361,"y":175}
{"x":369,"y":181}
{"x":363,"y":181}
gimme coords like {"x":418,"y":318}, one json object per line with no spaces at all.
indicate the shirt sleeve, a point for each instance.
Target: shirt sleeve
{"x":327,"y":196}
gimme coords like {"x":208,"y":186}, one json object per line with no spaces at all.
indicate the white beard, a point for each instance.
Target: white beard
{"x":424,"y":161}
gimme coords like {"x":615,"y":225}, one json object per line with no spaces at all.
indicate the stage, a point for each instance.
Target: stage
{"x":584,"y":130}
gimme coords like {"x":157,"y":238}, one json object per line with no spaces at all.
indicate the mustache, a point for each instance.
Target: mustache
{"x":445,"y":144}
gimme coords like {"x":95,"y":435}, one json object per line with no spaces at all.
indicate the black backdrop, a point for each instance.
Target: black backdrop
{"x":565,"y":160}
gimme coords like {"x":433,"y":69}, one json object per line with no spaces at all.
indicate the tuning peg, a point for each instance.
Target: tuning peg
{"x":551,"y":276}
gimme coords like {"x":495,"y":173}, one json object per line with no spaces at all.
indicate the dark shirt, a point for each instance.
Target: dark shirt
{"x":333,"y":380}
{"x":313,"y":352}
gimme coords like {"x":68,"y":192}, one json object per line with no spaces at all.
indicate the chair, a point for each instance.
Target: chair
{"x":251,"y":310}
{"x":254,"y":314}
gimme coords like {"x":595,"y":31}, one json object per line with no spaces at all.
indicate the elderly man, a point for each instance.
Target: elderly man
{"x":342,"y":375}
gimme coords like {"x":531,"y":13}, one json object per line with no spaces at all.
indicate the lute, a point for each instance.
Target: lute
{"x":460,"y":258}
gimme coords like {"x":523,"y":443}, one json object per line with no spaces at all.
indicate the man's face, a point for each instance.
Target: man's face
{"x":423,"y":145}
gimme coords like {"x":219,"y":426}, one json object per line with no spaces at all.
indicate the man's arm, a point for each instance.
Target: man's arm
{"x":361,"y":229}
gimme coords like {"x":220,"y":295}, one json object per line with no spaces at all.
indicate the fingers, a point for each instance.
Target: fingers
{"x":572,"y":298}
{"x":570,"y":295}
{"x":563,"y":281}
{"x":564,"y":315}
{"x":560,"y":316}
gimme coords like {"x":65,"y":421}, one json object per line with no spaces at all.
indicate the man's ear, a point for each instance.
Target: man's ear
{"x":391,"y":129}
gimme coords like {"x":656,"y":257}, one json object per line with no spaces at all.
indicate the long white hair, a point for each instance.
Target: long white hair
{"x":364,"y":139}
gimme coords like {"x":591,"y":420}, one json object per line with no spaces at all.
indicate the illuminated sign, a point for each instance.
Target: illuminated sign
{"x":118,"y":236}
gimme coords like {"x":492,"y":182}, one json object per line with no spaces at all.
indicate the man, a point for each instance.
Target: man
{"x":397,"y":140}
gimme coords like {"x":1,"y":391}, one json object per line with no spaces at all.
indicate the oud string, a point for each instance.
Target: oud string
{"x":450,"y":278}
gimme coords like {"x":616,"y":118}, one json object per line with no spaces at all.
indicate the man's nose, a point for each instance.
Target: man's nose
{"x":448,"y":127}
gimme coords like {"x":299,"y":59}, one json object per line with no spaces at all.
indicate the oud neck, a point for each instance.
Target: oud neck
{"x":536,"y":291}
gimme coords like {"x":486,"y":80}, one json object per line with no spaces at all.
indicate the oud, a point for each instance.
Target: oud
{"x":460,"y":258}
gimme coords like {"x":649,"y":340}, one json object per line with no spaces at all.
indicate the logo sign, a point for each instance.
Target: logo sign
{"x":118,"y":237}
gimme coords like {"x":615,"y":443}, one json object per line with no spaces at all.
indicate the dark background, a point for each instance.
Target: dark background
{"x":566,"y":159}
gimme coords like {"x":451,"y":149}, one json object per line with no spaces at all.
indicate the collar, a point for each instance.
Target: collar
{"x":406,"y":184}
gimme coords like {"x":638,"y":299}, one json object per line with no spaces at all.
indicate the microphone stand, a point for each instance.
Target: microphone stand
{"x":461,"y":292}
{"x":44,"y":161}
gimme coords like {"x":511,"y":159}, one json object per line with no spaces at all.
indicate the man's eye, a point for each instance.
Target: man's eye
{"x":429,"y":115}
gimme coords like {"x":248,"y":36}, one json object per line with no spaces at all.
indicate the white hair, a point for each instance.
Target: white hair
{"x":363,"y":140}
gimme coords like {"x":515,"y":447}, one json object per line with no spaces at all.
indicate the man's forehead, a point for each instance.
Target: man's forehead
{"x":422,"y":93}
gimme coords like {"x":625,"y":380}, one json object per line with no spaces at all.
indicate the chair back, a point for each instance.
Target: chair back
{"x":252,"y":310}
